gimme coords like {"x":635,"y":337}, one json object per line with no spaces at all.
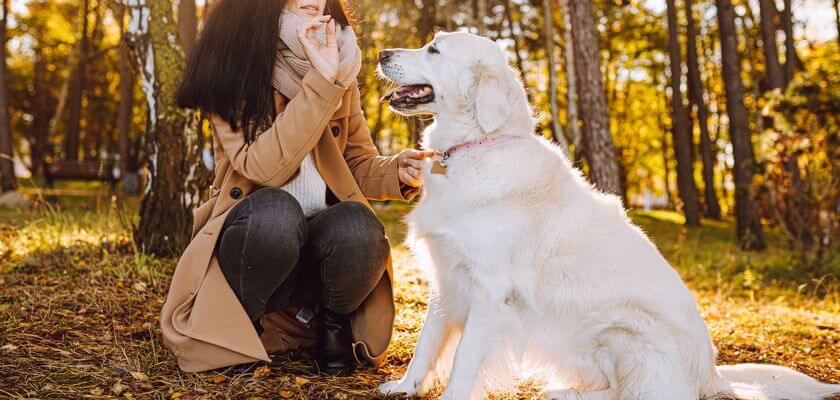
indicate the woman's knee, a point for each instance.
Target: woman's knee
{"x":265,"y":229}
{"x":356,"y":252}
{"x":353,"y":227}
{"x":277,"y":218}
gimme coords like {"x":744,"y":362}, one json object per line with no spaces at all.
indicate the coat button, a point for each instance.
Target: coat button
{"x":335,"y":130}
{"x":236,"y":193}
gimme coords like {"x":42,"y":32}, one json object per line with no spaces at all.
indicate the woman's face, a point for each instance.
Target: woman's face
{"x":306,"y":9}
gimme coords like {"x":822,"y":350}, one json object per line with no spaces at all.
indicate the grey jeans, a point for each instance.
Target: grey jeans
{"x":274,"y":257}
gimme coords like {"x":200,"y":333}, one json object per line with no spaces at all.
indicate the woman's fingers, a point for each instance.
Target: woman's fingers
{"x":306,"y":32}
{"x":305,"y":27}
{"x":415,"y":163}
{"x":420,"y":154}
{"x":331,"y":33}
{"x":411,"y":176}
{"x":415,"y":172}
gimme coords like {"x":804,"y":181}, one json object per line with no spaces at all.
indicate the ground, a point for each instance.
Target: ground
{"x":79,"y":308}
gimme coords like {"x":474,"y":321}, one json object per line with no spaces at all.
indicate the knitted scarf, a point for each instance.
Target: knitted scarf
{"x":292,"y":63}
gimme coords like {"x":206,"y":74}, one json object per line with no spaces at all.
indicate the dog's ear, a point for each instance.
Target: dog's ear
{"x":492,"y":98}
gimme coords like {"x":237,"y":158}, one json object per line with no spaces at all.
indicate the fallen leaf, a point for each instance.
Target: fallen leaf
{"x":262,"y":372}
{"x":140,"y":287}
{"x":97,"y":391}
{"x":177,"y":395}
{"x":301,"y":380}
{"x":118,"y":388}
{"x":218,"y":378}
{"x":9,"y":347}
{"x":286,"y":393}
{"x":137,"y":375}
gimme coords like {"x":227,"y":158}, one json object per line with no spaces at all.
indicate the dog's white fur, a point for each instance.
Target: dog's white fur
{"x":534,"y":269}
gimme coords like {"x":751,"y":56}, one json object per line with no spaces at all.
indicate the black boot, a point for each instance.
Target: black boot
{"x":334,"y":344}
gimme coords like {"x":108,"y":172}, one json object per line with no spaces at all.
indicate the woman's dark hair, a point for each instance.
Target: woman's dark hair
{"x":230,"y":70}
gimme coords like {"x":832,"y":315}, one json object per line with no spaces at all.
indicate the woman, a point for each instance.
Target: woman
{"x":287,"y":228}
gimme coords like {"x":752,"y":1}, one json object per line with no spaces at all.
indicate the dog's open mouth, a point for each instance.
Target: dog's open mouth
{"x":409,"y":96}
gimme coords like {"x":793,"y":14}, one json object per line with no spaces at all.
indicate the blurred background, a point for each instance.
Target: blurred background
{"x":645,"y":89}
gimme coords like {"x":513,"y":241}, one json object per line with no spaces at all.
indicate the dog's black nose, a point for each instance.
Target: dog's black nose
{"x":385,"y":54}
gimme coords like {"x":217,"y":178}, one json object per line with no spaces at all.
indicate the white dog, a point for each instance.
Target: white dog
{"x":533,"y":268}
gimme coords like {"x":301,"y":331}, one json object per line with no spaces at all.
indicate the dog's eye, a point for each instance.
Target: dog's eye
{"x":433,"y":49}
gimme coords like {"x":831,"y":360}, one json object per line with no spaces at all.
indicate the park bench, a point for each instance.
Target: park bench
{"x":86,"y":170}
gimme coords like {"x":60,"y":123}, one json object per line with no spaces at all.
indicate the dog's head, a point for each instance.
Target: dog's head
{"x":456,"y":74}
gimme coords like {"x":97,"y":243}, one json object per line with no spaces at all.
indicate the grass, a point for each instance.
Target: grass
{"x":79,"y":309}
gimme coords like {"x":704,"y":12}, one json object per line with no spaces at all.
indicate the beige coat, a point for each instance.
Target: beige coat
{"x":202,"y":321}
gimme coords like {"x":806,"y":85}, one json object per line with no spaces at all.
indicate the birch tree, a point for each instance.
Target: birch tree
{"x":571,"y":80}
{"x":548,"y":27}
{"x":170,"y":145}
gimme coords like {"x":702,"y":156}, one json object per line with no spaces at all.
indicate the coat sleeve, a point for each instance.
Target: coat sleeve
{"x":275,"y":154}
{"x":377,"y":176}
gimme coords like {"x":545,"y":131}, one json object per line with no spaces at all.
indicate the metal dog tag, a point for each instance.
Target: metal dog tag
{"x":438,"y":168}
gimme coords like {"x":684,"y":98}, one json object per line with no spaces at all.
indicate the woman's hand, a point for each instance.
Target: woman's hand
{"x":411,"y":166}
{"x":323,"y":58}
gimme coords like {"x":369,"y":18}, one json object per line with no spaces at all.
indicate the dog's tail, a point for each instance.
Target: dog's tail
{"x":770,"y":382}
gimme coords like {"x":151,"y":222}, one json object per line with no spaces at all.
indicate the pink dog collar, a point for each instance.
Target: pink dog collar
{"x":475,"y":144}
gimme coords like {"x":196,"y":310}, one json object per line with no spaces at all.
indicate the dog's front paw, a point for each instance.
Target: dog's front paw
{"x":399,"y":387}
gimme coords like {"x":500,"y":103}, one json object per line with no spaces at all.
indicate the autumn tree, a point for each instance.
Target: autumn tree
{"x":599,"y":149}
{"x":679,"y":126}
{"x":187,"y":24}
{"x":571,"y":84}
{"x":773,"y":69}
{"x":173,"y":157}
{"x":76,"y":89}
{"x":748,"y":225}
{"x":792,"y":60}
{"x":701,"y":112}
{"x":548,"y":27}
{"x":7,"y":168}
{"x":125,"y":108}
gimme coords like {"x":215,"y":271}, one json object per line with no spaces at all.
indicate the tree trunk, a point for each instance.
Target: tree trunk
{"x":695,"y":96}
{"x":748,"y":224}
{"x":514,"y":37}
{"x":187,"y":25}
{"x":679,"y":126}
{"x":77,"y":84}
{"x":90,"y":137}
{"x":669,"y":197}
{"x":128,"y":175}
{"x":571,"y":85}
{"x":837,"y":18}
{"x":599,"y":149}
{"x":40,"y":113}
{"x":426,"y":23}
{"x":773,"y":69}
{"x":174,"y":159}
{"x":8,"y":182}
{"x":792,"y":61}
{"x":480,"y":13}
{"x":548,"y":26}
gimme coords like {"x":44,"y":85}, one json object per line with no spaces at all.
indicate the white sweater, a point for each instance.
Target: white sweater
{"x":308,"y":187}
